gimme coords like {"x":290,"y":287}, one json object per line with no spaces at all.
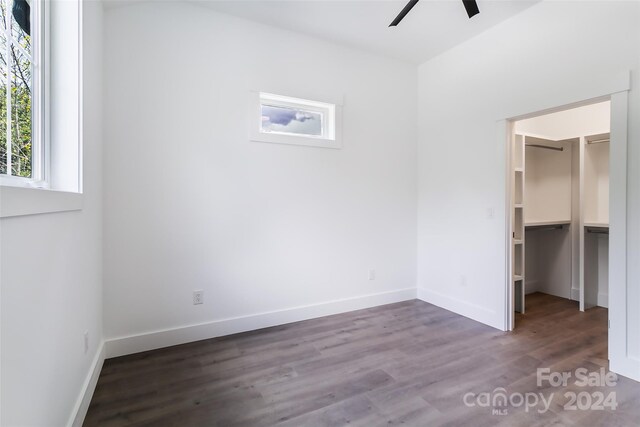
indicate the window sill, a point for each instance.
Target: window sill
{"x":20,"y":201}
{"x":295,"y":140}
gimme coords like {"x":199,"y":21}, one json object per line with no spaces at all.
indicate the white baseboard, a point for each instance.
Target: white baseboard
{"x":463,"y":308}
{"x":554,"y":292}
{"x":628,"y":367}
{"x":167,"y":337}
{"x":603,"y":300}
{"x":531,"y":286}
{"x":86,"y":393}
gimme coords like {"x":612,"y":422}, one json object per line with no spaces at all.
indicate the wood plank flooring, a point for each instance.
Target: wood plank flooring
{"x":408,"y":363}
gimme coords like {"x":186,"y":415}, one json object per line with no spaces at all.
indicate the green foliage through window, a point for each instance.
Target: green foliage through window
{"x":15,"y":76}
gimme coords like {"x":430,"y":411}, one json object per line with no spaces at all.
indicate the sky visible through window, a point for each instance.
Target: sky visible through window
{"x":291,"y":120}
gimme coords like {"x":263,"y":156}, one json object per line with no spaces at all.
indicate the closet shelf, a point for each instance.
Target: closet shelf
{"x":597,"y":224}
{"x":517,"y":277}
{"x":517,"y":241}
{"x":543,"y":223}
{"x":518,"y":205}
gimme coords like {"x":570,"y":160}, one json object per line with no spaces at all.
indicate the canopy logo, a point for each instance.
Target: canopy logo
{"x":500,"y":401}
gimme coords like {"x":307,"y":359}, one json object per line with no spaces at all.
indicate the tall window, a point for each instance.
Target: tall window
{"x":21,"y":136}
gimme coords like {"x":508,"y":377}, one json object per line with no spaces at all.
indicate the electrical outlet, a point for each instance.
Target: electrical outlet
{"x":198,"y":297}
{"x":463,"y":281}
{"x":372,"y":275}
{"x":86,"y":342}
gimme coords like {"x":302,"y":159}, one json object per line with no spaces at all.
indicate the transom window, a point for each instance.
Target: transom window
{"x":291,"y":120}
{"x":287,"y":120}
{"x":293,"y":116}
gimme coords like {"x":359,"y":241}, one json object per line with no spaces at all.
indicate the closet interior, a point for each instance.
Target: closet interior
{"x":560,"y":206}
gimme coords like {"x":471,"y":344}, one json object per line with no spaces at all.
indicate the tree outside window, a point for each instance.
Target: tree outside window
{"x":15,"y":89}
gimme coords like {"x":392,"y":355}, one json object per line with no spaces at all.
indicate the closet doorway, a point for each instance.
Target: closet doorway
{"x":559,"y":208}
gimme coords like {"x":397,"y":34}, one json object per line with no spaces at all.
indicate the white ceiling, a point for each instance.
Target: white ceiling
{"x":432,"y":27}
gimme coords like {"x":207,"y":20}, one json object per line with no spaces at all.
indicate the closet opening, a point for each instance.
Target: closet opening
{"x":559,"y":212}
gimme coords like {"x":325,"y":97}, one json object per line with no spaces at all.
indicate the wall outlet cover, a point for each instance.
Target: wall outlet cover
{"x":198,"y":297}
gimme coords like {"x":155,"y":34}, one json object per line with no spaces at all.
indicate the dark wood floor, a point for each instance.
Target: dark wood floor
{"x":408,"y":363}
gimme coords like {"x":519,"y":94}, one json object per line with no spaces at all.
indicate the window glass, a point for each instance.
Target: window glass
{"x":15,"y":88}
{"x":282,"y":119}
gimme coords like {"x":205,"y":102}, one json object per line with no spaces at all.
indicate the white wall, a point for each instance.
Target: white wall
{"x":191,"y":203}
{"x":548,"y":262}
{"x":51,"y":283}
{"x":603,"y":270}
{"x":547,"y":184}
{"x":549,"y":55}
{"x":590,"y":119}
{"x":596,"y":165}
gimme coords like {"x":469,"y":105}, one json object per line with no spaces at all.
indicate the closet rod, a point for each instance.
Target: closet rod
{"x":544,"y":228}
{"x":598,"y":141}
{"x":545,"y":147}
{"x":597,"y":232}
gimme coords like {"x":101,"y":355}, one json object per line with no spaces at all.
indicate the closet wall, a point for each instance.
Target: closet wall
{"x":596,"y":218}
{"x":547,"y":182}
{"x":548,"y":207}
{"x":596,"y":176}
{"x":548,"y":260}
{"x":588,"y":120}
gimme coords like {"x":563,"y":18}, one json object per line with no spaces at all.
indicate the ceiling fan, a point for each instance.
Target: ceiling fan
{"x":470,"y":5}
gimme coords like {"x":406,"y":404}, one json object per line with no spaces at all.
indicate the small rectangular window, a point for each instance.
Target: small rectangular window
{"x":290,"y":120}
{"x":287,"y":120}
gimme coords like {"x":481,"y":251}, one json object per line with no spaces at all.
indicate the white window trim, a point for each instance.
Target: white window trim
{"x":20,"y":201}
{"x":332,"y":127}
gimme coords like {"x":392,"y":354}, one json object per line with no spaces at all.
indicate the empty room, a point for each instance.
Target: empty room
{"x":319,"y":213}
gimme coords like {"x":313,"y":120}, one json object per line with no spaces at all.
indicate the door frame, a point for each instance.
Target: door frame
{"x":615,"y":90}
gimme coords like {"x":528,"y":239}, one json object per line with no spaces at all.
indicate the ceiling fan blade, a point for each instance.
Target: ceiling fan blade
{"x":472,"y":7}
{"x":403,"y":13}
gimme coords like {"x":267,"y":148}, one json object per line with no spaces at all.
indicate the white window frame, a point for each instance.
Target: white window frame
{"x":331,"y":121}
{"x":58,"y":188}
{"x":40,"y":159}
